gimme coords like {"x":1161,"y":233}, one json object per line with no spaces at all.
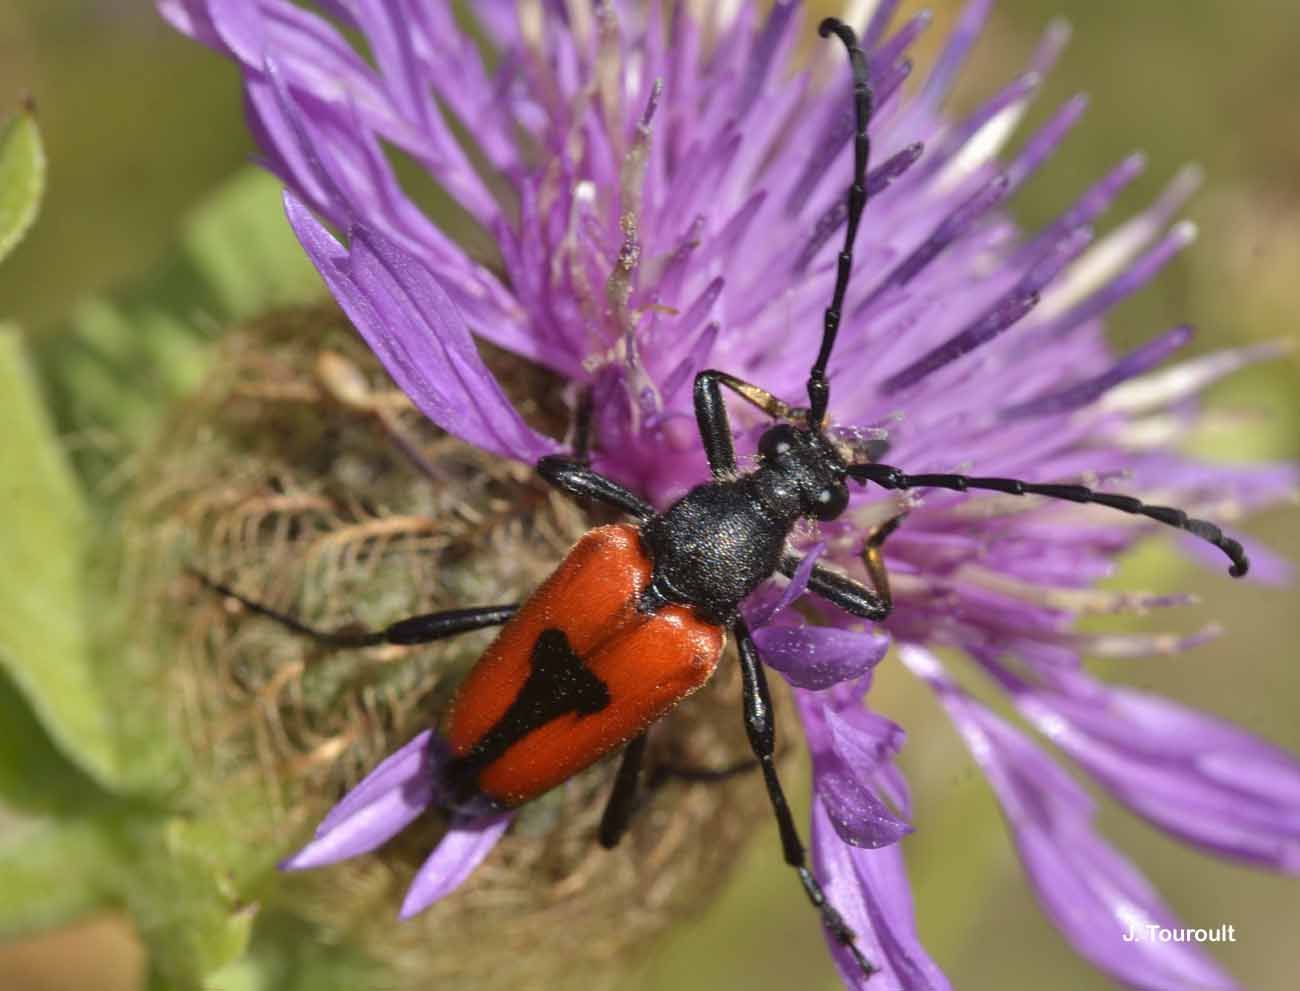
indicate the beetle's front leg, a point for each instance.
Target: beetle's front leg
{"x":715,"y":428}
{"x":574,"y":475}
{"x":711,"y":415}
{"x":874,"y":603}
{"x":580,"y":480}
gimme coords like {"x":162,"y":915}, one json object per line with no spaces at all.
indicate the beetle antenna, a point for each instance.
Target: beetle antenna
{"x":889,"y":477}
{"x":818,"y":387}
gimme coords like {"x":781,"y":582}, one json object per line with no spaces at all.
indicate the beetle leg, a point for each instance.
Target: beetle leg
{"x":849,"y":594}
{"x":577,"y":479}
{"x":874,"y":603}
{"x":664,"y":773}
{"x":626,"y":798}
{"x":761,"y":729}
{"x":711,"y":415}
{"x":424,"y":628}
{"x":873,"y":559}
{"x":715,"y":428}
{"x":840,"y":590}
{"x":574,"y":475}
{"x":582,"y":426}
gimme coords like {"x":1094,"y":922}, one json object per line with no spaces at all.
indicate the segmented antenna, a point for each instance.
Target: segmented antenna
{"x":818,"y":388}
{"x":889,"y":477}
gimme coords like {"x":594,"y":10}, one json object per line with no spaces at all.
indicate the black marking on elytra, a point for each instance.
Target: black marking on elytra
{"x":558,"y":683}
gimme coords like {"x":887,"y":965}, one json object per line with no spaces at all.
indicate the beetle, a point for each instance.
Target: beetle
{"x":637,"y":615}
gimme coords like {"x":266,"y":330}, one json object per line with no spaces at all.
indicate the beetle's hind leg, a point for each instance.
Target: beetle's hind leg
{"x":425,"y":628}
{"x":626,"y":798}
{"x":629,"y":796}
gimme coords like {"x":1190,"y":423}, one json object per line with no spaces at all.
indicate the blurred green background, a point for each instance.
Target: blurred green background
{"x":140,"y":125}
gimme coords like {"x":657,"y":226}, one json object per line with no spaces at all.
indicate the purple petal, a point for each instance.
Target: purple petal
{"x":999,"y":317}
{"x":414,"y":329}
{"x":862,"y":739}
{"x":1091,"y":205}
{"x":816,"y":657}
{"x":963,"y":36}
{"x":467,"y":842}
{"x":1132,"y":278}
{"x":1186,"y":379}
{"x":1199,"y":778}
{"x":409,"y":764}
{"x":858,"y":751}
{"x":1093,"y":895}
{"x":859,"y":817}
{"x":870,"y":890}
{"x":1048,"y":139}
{"x":385,"y":802}
{"x":190,"y":17}
{"x":1072,"y":397}
{"x":949,"y":229}
{"x":762,"y":614}
{"x":850,"y":748}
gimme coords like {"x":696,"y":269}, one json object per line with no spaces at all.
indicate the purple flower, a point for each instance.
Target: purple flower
{"x":662,"y":198}
{"x":388,"y":800}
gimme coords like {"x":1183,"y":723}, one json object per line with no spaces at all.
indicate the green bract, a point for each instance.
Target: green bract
{"x":22,"y":178}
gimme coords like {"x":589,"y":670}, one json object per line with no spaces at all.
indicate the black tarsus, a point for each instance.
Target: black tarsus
{"x":818,"y":387}
{"x":890,"y":477}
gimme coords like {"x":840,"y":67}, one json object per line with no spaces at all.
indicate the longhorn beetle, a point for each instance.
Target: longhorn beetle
{"x":636,"y":616}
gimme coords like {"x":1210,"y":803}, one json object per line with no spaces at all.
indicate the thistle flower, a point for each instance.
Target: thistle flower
{"x":661,"y":198}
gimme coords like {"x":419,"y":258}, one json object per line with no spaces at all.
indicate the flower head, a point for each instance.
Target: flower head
{"x":660,"y":198}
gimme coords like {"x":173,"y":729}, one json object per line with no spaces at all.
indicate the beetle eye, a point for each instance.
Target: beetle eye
{"x":830,"y":502}
{"x":776,"y":443}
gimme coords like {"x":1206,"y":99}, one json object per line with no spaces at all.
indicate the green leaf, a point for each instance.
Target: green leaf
{"x":35,"y":775}
{"x":289,"y":954}
{"x":243,"y":249}
{"x":50,"y":871}
{"x":43,"y":646}
{"x":22,"y":178}
{"x":122,"y":359}
{"x":181,"y":889}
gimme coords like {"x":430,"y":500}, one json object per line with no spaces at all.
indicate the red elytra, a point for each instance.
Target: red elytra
{"x":648,"y":662}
